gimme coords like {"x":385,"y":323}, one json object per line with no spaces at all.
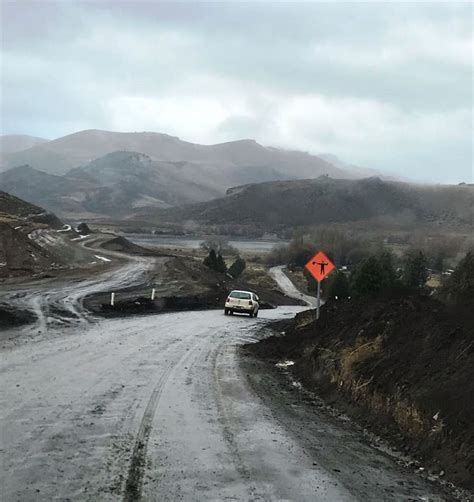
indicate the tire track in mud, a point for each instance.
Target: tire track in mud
{"x":225,"y":422}
{"x":133,"y":485}
{"x":59,"y":302}
{"x":66,"y":418}
{"x":136,"y":471}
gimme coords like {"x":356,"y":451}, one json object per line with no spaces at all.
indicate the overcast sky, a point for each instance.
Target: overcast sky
{"x":382,"y":85}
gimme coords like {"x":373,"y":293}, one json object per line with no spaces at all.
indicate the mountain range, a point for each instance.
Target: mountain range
{"x":102,"y":173}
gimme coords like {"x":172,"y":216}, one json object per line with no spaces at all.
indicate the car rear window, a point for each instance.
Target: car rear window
{"x":240,"y":295}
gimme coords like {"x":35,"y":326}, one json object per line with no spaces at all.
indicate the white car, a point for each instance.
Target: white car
{"x":242,"y":301}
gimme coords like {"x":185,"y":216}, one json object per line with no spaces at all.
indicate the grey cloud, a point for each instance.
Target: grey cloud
{"x":391,"y":67}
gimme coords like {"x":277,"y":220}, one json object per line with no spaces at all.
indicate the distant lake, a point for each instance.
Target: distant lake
{"x":172,"y":241}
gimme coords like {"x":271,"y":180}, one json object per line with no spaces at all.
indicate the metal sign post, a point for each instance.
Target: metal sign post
{"x":318,"y":300}
{"x":320,"y":266}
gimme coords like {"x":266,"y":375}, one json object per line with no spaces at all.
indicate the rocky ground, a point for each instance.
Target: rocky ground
{"x":400,"y":366}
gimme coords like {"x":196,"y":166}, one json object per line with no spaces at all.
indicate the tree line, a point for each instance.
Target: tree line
{"x":377,"y":275}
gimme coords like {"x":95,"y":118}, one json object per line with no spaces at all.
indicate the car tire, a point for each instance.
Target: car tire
{"x":226,"y":312}
{"x":255,"y":314}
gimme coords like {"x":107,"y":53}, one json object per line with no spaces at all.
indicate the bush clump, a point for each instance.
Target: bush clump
{"x":237,"y":268}
{"x":374,"y":275}
{"x":215,"y":262}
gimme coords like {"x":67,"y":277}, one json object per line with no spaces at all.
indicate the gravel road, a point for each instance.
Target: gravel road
{"x":289,"y":288}
{"x":57,"y":301}
{"x":162,"y":408}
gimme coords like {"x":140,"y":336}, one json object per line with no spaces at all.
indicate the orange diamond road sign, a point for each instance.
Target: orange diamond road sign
{"x":320,"y":266}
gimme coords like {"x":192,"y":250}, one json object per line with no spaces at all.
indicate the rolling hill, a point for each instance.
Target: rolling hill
{"x":278,"y":205}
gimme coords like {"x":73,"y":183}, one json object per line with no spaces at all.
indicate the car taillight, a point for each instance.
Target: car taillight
{"x":228,"y":300}
{"x":250,"y":302}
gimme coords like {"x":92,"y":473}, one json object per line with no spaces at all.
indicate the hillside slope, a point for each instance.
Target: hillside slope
{"x":114,"y":185}
{"x":120,"y":182}
{"x":401,"y":364}
{"x":18,"y":253}
{"x":10,"y":143}
{"x":33,"y":241}
{"x":60,"y":194}
{"x":277,"y":205}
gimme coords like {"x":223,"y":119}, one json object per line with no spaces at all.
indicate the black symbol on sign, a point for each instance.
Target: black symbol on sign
{"x":322,"y":266}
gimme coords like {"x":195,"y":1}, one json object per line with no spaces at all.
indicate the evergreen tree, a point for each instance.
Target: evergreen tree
{"x":368,"y":278}
{"x":338,"y":285}
{"x":385,"y":259}
{"x":237,"y":267}
{"x":211,"y":260}
{"x":220,"y":264}
{"x":215,"y":262}
{"x":415,"y":274}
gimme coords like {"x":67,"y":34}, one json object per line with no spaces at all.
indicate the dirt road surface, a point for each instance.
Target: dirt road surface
{"x":162,"y":408}
{"x":289,"y":288}
{"x":57,"y":301}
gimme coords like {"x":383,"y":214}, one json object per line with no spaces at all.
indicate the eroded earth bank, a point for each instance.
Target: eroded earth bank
{"x":401,"y":366}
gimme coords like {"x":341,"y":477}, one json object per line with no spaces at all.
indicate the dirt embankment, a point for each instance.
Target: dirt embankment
{"x":403,"y":367}
{"x":122,"y":245}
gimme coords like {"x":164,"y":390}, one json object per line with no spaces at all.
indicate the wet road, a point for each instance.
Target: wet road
{"x":290,"y":290}
{"x":159,"y":408}
{"x":58,"y":301}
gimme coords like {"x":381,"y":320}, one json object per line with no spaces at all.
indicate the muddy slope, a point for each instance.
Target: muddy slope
{"x":402,"y":366}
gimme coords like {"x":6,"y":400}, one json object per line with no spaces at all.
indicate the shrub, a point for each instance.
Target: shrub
{"x":236,"y":269}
